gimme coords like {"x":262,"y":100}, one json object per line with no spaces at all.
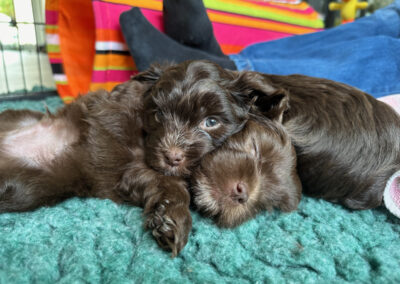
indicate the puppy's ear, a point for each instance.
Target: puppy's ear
{"x":274,"y":105}
{"x":151,"y":75}
{"x":145,"y":80}
{"x":256,"y":90}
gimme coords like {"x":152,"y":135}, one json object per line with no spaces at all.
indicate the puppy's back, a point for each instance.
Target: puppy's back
{"x":347,"y":142}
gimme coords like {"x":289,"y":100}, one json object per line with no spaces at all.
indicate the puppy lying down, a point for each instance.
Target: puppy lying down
{"x":347,"y":145}
{"x":139,"y":143}
{"x":255,"y":170}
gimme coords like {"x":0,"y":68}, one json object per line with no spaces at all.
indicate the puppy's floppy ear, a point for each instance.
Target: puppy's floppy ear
{"x":151,"y":75}
{"x":274,"y":105}
{"x":145,"y":80}
{"x":258,"y":91}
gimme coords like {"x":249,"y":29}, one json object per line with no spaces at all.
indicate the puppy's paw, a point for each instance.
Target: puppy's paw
{"x":127,"y":191}
{"x":170,"y":224}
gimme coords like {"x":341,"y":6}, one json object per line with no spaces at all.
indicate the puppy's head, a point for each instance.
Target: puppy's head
{"x":254,"y":170}
{"x":190,"y":110}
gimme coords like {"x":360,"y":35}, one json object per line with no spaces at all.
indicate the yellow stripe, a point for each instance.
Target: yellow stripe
{"x":253,"y":23}
{"x":103,"y":86}
{"x":61,"y":83}
{"x":278,"y":11}
{"x":68,"y":99}
{"x":115,"y":61}
{"x":53,"y":48}
{"x":154,"y":5}
{"x":301,"y":6}
{"x":51,"y":27}
{"x":118,"y":68}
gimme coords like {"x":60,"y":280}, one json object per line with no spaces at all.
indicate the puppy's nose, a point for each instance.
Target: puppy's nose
{"x":174,"y":157}
{"x":239,"y":192}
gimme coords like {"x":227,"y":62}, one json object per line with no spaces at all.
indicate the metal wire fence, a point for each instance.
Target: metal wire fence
{"x":24,"y":66}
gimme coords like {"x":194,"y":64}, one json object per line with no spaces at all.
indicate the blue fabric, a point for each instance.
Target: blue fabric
{"x":364,"y":54}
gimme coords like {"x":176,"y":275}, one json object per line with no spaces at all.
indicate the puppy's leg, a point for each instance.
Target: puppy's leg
{"x":36,"y":167}
{"x":368,"y":197}
{"x":165,"y":200}
{"x":168,"y":215}
{"x":23,"y":188}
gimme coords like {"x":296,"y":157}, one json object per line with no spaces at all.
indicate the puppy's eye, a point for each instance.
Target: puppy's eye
{"x":210,"y":123}
{"x":158,"y":116}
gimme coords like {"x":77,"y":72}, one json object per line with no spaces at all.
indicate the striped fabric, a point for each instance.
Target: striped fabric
{"x":70,"y":32}
{"x":236,"y":23}
{"x":53,"y":47}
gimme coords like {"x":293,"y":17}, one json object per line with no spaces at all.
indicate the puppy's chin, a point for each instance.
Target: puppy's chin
{"x":175,"y":171}
{"x":165,"y":169}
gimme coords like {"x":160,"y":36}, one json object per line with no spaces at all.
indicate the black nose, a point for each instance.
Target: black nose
{"x":239,"y":192}
{"x":174,"y":157}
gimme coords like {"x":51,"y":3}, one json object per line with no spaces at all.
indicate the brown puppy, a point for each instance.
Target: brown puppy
{"x":347,"y":142}
{"x":90,"y":148}
{"x":134,"y":145}
{"x":82,"y":150}
{"x":254,"y":170}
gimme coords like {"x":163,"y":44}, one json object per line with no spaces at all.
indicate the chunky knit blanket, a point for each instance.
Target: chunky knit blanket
{"x":97,"y":241}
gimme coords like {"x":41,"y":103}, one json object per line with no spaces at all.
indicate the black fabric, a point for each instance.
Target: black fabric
{"x":148,"y":45}
{"x":187,"y":22}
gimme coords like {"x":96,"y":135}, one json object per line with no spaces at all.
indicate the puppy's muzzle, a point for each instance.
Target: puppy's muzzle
{"x":239,"y":192}
{"x":174,"y":157}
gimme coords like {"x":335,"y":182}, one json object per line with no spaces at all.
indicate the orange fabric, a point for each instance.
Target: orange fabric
{"x":64,"y":89}
{"x":51,"y":30}
{"x":77,"y":41}
{"x":54,"y":55}
{"x":52,"y":5}
{"x":153,"y":5}
{"x":107,"y":61}
{"x":229,"y":48}
{"x":109,"y":35}
{"x":106,"y":86}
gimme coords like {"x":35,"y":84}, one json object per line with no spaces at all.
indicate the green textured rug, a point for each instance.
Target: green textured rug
{"x":97,"y":241}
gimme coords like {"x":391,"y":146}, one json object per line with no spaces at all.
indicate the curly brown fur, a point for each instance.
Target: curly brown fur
{"x":254,"y":170}
{"x":179,"y":111}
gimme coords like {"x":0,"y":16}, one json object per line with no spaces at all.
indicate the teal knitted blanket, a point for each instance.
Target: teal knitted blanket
{"x":97,"y":241}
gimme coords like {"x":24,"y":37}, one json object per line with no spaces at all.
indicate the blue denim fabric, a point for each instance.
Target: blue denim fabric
{"x":364,"y":54}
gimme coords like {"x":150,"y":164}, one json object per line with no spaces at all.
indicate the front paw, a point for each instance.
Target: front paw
{"x":170,"y":224}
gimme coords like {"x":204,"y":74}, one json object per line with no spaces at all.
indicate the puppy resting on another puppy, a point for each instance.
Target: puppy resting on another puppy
{"x":139,"y":143}
{"x":347,"y":146}
{"x":255,"y":170}
{"x":136,"y":145}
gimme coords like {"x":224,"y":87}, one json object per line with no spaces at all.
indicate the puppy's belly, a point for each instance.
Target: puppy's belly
{"x":37,"y":144}
{"x":28,"y":121}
